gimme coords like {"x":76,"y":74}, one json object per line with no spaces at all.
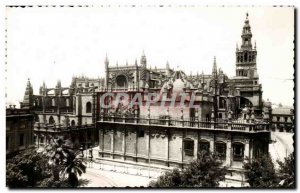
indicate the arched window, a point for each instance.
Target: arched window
{"x":220,"y":115}
{"x":72,"y":123}
{"x":88,"y":107}
{"x":207,"y":117}
{"x":220,"y":149}
{"x":51,"y":120}
{"x":246,"y":57}
{"x":238,"y":151}
{"x":188,"y":145}
{"x":204,"y":146}
{"x":121,"y":81}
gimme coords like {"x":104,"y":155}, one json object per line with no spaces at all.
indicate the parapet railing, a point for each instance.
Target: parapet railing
{"x":59,"y":127}
{"x":223,"y":124}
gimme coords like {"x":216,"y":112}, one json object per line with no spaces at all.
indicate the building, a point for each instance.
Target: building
{"x":19,"y":130}
{"x":65,"y":111}
{"x":229,"y":116}
{"x":283,"y":119}
{"x":231,"y":120}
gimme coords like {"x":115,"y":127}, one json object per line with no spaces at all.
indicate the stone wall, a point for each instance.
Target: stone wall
{"x":165,"y":145}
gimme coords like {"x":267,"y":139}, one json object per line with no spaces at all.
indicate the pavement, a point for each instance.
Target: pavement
{"x":112,"y":176}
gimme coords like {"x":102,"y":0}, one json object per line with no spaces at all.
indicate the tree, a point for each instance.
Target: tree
{"x":205,"y":171}
{"x":260,"y":172}
{"x":26,"y":169}
{"x":65,"y":162}
{"x":286,"y":172}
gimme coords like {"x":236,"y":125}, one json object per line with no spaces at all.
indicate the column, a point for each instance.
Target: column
{"x":112,"y":132}
{"x":167,"y":145}
{"x":182,"y":147}
{"x":100,"y":139}
{"x":228,"y":153}
{"x":124,"y":143}
{"x":148,"y":138}
{"x":212,"y":144}
{"x":136,"y":143}
{"x":196,"y":144}
{"x":251,"y":149}
{"x":246,"y":151}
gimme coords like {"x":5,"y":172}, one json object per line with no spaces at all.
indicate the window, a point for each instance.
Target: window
{"x":204,"y":146}
{"x":21,"y":139}
{"x":41,"y":139}
{"x":220,"y":115}
{"x":207,"y":117}
{"x":88,"y":107}
{"x":36,"y":118}
{"x":238,"y":152}
{"x":220,"y":149}
{"x":141,"y":133}
{"x":67,"y":102}
{"x":188,"y":145}
{"x":121,"y":81}
{"x":278,"y":119}
{"x":51,"y":120}
{"x":72,"y":123}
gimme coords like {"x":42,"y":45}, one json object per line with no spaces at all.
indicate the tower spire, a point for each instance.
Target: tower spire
{"x":246,"y":54}
{"x":106,"y":61}
{"x":246,"y":34}
{"x":27,"y":101}
{"x":143,"y":59}
{"x":214,"y":71}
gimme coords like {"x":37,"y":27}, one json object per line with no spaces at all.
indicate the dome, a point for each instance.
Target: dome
{"x":178,"y":86}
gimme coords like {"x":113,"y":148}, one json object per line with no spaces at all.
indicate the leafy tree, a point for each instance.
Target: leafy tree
{"x":65,"y":162}
{"x":260,"y":172}
{"x":26,"y":169}
{"x":205,"y":171}
{"x":168,"y":179}
{"x":286,"y":172}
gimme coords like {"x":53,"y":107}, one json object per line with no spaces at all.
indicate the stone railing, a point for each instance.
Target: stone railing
{"x":236,"y":125}
{"x":58,"y":128}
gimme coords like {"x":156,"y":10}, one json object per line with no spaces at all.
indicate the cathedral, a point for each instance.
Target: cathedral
{"x":231,"y":118}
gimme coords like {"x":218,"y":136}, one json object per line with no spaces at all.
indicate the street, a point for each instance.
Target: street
{"x":101,"y":178}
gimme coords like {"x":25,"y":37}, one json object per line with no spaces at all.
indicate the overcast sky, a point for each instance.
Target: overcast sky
{"x":47,"y":44}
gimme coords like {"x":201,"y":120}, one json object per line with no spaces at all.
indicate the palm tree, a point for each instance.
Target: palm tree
{"x":65,"y":162}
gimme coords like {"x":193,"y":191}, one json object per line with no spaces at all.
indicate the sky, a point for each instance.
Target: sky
{"x":50,"y":44}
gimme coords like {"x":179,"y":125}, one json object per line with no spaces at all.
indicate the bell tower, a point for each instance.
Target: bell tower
{"x":246,"y":54}
{"x":247,"y":79}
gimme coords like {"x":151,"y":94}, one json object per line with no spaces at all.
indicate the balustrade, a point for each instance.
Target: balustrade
{"x":167,"y":121}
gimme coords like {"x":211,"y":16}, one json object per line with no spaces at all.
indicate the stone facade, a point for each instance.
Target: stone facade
{"x":19,"y":130}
